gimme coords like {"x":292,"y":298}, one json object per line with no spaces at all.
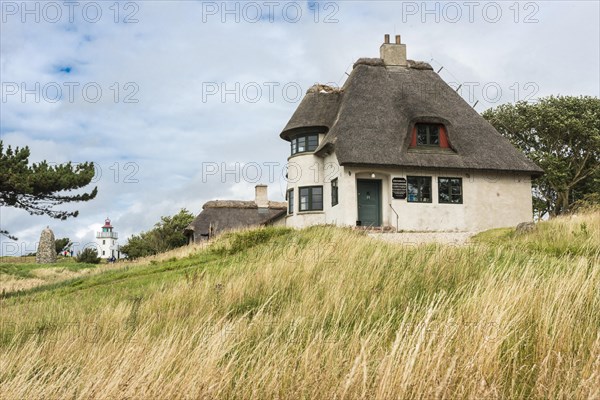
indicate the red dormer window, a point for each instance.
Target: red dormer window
{"x":429,"y":135}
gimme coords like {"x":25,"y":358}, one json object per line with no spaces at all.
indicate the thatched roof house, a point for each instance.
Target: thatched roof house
{"x":399,"y":147}
{"x":218,"y":216}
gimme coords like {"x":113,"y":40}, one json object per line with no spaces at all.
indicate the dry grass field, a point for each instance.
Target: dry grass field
{"x":22,"y":273}
{"x":320,"y":313}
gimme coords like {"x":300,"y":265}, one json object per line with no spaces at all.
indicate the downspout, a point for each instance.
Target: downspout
{"x":397,"y":216}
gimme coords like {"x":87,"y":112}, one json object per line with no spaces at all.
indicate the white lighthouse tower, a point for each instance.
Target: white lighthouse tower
{"x":107,"y":241}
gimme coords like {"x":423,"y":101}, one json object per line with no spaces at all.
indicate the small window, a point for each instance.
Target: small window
{"x":301,"y":144}
{"x":291,"y":201}
{"x":311,"y":198}
{"x":334,"y":192}
{"x":419,"y":189}
{"x":103,"y":252}
{"x":428,"y":135}
{"x":450,"y":190}
{"x":104,"y":241}
{"x":304,"y":143}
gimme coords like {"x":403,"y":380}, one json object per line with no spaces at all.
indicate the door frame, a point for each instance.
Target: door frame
{"x":379,"y":184}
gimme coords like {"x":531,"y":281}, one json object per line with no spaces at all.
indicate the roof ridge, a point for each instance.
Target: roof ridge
{"x":249,"y":204}
{"x":378,"y":62}
{"x":324,"y":89}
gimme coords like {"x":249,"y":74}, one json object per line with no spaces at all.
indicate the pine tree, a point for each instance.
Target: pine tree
{"x":39,"y":187}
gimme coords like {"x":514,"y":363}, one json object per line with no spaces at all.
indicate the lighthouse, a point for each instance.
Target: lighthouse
{"x":107,"y":241}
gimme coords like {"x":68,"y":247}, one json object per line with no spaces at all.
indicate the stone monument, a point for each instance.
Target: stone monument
{"x":46,"y":251}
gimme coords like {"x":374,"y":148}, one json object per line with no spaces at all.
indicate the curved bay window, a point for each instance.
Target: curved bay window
{"x":290,"y":200}
{"x":311,"y":198}
{"x":304,"y":143}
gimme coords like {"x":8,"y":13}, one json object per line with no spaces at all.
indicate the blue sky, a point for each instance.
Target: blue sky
{"x":158,"y":92}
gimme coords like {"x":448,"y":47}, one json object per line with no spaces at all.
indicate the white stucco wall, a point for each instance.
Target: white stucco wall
{"x":107,"y":246}
{"x":490,"y":200}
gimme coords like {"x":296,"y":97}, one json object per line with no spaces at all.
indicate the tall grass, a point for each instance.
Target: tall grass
{"x":22,"y":273}
{"x":322,"y":313}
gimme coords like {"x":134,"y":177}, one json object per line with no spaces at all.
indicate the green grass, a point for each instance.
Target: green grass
{"x":568,"y":236}
{"x":496,"y":236}
{"x":24,"y":270}
{"x":125,"y":280}
{"x":322,"y":312}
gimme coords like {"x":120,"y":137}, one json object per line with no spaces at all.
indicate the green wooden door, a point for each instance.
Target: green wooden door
{"x":369,"y":202}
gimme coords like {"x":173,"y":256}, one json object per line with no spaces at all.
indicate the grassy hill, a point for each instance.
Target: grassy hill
{"x":320,"y":313}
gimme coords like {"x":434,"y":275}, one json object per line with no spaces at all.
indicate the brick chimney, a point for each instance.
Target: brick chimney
{"x":393,"y":53}
{"x":261,"y":197}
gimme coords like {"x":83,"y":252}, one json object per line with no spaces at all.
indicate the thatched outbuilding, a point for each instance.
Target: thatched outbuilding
{"x":218,"y":216}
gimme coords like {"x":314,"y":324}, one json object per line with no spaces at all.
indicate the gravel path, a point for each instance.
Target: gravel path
{"x":414,"y":238}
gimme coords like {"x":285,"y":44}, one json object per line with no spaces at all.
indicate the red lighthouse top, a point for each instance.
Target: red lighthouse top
{"x":107,"y":223}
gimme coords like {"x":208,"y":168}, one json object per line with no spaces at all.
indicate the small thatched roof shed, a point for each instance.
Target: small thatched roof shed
{"x":218,"y":216}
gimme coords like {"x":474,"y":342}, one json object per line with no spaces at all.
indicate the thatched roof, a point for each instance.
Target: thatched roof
{"x":369,"y":120}
{"x":317,"y":110}
{"x":241,"y":204}
{"x":226,"y":215}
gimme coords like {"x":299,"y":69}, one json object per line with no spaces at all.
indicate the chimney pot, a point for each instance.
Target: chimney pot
{"x":261,"y":196}
{"x":393,"y":54}
{"x":386,"y":39}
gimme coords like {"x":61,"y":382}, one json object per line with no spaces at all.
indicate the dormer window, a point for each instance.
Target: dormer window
{"x":429,"y":135}
{"x":305,"y":143}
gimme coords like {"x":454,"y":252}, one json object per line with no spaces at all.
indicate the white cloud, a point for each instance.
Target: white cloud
{"x":170,"y":56}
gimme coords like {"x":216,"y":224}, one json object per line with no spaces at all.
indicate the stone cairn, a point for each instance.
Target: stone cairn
{"x":525,"y":227}
{"x":46,"y":251}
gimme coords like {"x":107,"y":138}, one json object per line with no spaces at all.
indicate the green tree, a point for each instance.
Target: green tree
{"x":167,"y":234}
{"x":39,"y":187}
{"x":138,"y":246}
{"x":562,"y":135}
{"x":61,"y":244}
{"x":89,"y":256}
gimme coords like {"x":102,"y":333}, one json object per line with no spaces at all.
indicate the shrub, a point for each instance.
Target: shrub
{"x":89,"y":256}
{"x":589,"y":203}
{"x":166,"y":235}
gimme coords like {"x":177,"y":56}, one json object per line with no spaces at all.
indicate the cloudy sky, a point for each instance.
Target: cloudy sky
{"x":181,"y":102}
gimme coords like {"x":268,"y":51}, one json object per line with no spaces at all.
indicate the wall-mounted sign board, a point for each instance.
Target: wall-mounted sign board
{"x":399,"y":188}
